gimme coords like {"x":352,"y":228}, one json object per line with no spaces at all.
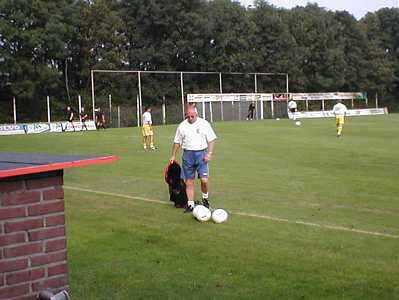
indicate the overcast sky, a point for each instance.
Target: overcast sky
{"x":358,"y":8}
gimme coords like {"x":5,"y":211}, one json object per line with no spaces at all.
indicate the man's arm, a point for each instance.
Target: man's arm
{"x":175,"y":148}
{"x":211,"y":147}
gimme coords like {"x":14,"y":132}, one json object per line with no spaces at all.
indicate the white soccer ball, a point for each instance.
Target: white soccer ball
{"x":202,"y":213}
{"x":298,"y":123}
{"x":195,"y":210}
{"x":277,"y":119}
{"x":219,"y":215}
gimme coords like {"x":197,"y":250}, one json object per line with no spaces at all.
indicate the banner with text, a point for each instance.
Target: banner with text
{"x":29,"y":128}
{"x":330,"y":114}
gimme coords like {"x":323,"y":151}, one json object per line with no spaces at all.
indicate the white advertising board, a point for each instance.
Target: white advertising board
{"x":30,"y":128}
{"x":330,"y":114}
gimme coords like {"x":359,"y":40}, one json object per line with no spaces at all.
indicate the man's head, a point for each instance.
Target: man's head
{"x":147,"y":108}
{"x":68,"y":108}
{"x":191,"y":114}
{"x":339,"y":101}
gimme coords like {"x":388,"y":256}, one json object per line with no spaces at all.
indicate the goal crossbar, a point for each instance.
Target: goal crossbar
{"x":181,"y":74}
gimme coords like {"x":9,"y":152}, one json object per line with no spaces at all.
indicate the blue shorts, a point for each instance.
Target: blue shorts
{"x":193,"y":161}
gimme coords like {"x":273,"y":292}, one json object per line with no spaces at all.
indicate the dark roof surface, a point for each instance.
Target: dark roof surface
{"x":14,"y":164}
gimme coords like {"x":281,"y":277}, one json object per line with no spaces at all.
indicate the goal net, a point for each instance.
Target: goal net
{"x":236,"y":107}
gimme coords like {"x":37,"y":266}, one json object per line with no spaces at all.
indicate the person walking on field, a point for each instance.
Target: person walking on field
{"x":340,"y":112}
{"x":197,"y":138}
{"x":292,"y":108}
{"x":83,"y":118}
{"x":148,"y":133}
{"x":100,"y":118}
{"x":71,"y":114}
{"x":251,"y":111}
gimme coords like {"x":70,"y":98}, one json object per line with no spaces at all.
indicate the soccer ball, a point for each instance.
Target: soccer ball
{"x":298,"y":123}
{"x":277,"y":119}
{"x":219,"y":216}
{"x":202,"y":213}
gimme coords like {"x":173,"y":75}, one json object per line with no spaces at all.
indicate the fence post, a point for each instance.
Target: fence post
{"x":80,"y":107}
{"x":119,"y":117}
{"x":221,"y":96}
{"x":138,"y":111}
{"x":376,"y":100}
{"x":110,"y":108}
{"x":48,"y":110}
{"x":163,"y":110}
{"x":14,"y":107}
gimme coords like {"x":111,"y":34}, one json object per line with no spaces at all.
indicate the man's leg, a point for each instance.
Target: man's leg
{"x":339,"y":126}
{"x":145,"y":138}
{"x":190,"y":187}
{"x":339,"y":129}
{"x":151,"y":137}
{"x":188,"y":174}
{"x":204,"y":190}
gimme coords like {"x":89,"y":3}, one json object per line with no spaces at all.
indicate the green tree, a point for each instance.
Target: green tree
{"x":33,"y":44}
{"x":382,"y":28}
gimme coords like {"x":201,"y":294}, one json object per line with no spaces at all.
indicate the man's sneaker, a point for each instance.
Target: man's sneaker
{"x":189,"y":209}
{"x":205,"y":203}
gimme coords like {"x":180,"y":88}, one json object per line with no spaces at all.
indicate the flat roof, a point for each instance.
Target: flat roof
{"x":15,"y":164}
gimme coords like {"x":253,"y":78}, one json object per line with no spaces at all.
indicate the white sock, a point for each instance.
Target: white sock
{"x":205,"y":195}
{"x":190,"y":203}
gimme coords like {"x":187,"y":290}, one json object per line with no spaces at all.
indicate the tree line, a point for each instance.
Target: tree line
{"x":49,"y":48}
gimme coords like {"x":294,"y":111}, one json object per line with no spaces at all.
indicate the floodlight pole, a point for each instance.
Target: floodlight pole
{"x":182,"y":93}
{"x":256,"y":84}
{"x":286,"y":76}
{"x":92,"y":94}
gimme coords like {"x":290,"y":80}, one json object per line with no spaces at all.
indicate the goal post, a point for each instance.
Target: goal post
{"x":221,"y":80}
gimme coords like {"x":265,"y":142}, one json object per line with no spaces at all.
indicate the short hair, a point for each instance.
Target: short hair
{"x":191,"y":107}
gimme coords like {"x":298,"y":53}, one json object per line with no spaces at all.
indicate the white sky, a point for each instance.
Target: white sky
{"x":358,"y":8}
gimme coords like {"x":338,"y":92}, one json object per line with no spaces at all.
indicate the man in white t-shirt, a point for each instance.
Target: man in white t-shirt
{"x":339,"y":110}
{"x":148,"y":133}
{"x":197,"y":138}
{"x":292,"y":108}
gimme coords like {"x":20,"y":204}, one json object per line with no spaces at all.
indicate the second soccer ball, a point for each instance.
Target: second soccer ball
{"x":298,"y":123}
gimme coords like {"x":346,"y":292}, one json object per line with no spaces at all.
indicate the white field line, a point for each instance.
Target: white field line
{"x":330,"y":227}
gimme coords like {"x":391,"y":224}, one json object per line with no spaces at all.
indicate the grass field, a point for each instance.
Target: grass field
{"x":311,"y":216}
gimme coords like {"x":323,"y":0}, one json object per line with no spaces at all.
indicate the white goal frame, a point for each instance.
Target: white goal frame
{"x":181,"y":73}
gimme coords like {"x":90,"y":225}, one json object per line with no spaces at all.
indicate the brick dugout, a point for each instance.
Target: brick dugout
{"x":33,"y":244}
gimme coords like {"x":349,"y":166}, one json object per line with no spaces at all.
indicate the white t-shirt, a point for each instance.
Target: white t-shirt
{"x":339,"y":109}
{"x":292,"y":104}
{"x":194,"y":136}
{"x":147,"y":118}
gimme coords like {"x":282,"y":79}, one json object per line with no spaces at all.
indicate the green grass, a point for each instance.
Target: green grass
{"x":344,"y":191}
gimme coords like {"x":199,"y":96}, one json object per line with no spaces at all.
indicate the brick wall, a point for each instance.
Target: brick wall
{"x":33,"y":250}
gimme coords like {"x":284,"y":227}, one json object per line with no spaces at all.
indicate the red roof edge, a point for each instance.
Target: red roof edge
{"x":58,"y":166}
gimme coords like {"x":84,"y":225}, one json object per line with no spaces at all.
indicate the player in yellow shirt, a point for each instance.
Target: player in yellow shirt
{"x":148,"y":133}
{"x":340,"y":112}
